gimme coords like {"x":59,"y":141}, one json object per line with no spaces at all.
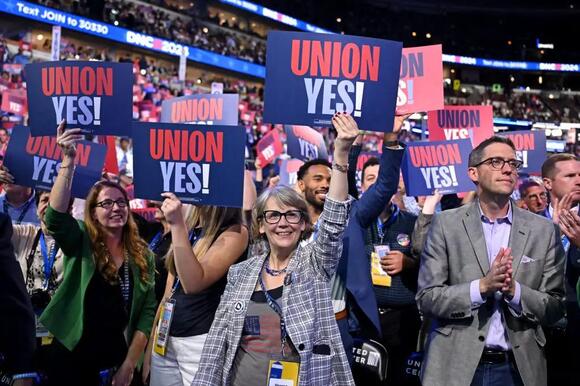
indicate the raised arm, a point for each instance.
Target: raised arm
{"x":61,"y":190}
{"x":197,"y":273}
{"x":334,"y":217}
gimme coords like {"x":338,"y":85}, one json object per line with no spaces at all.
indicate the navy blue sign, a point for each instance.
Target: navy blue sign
{"x":95,"y":96}
{"x":304,"y":143}
{"x":442,"y":166}
{"x":311,"y":76}
{"x":34,"y":162}
{"x":530,"y":148}
{"x":201,"y":164}
{"x":208,"y":109}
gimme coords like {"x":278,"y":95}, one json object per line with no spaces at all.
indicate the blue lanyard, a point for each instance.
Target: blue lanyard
{"x":155,"y":241}
{"x":390,"y":221}
{"x":49,"y":259}
{"x":277,"y":309}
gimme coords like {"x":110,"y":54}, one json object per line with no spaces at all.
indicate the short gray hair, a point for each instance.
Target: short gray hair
{"x":284,"y":196}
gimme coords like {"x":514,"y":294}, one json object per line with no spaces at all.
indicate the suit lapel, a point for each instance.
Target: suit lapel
{"x":518,"y":238}
{"x":472,"y":223}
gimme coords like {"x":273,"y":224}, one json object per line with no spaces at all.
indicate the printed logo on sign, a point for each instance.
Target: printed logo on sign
{"x":412,"y":67}
{"x":436,"y":163}
{"x":61,"y":82}
{"x":180,"y":145}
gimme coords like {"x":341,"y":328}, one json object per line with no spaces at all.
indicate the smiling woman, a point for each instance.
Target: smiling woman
{"x":275,"y":319}
{"x":102,"y":313}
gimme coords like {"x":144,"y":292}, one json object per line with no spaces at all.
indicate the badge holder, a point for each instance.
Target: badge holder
{"x":283,"y":373}
{"x":379,"y":276}
{"x":162,"y":333}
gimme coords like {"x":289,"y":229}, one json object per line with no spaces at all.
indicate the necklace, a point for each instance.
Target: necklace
{"x":273,"y":272}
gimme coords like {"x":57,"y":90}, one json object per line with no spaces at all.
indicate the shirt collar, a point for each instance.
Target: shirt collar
{"x":508,"y":218}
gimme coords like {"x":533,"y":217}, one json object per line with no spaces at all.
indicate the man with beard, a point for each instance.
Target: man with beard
{"x":313,"y":180}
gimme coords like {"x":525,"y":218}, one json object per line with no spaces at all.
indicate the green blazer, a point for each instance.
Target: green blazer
{"x":65,"y":313}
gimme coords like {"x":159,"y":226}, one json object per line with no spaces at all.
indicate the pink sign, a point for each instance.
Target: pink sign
{"x":269,"y":147}
{"x":14,"y":102}
{"x":459,"y":122}
{"x":420,"y":80}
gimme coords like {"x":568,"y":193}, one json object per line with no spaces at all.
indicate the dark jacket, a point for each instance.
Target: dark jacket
{"x":17,"y":329}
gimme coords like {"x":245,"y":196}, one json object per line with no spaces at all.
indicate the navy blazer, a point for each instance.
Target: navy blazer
{"x":354,"y":262}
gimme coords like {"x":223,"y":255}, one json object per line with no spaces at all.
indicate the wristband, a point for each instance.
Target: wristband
{"x":340,"y":168}
{"x":391,"y":143}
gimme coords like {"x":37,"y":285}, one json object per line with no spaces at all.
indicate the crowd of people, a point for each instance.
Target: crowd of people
{"x":302,"y":277}
{"x":340,"y":278}
{"x":190,"y":27}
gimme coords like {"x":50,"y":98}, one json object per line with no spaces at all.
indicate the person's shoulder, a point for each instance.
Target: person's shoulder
{"x":454,"y":214}
{"x":533,"y":220}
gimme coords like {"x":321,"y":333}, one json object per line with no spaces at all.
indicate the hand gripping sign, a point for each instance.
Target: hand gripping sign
{"x":95,"y":96}
{"x":35,"y":161}
{"x":460,"y":122}
{"x":201,"y":164}
{"x":208,"y":109}
{"x":421,"y":80}
{"x":311,"y":76}
{"x":530,"y":149}
{"x":428,"y":166}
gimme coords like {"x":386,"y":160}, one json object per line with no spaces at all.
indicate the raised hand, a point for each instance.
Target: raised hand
{"x":5,"y":176}
{"x":172,"y":209}
{"x":68,"y":139}
{"x":347,"y":132}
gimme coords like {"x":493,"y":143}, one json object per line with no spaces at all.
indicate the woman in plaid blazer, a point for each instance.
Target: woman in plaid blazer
{"x":276,"y":315}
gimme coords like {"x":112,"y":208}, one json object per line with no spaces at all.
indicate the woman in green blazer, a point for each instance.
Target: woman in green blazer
{"x":102,"y":313}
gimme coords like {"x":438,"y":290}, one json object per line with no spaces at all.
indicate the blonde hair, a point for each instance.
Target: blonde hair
{"x":136,"y":247}
{"x":212,"y":219}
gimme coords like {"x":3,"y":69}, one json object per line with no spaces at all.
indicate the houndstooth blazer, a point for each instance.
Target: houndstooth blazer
{"x":306,"y":305}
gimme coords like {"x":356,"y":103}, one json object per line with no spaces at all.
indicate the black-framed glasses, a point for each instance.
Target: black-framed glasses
{"x":291,"y":216}
{"x":108,"y":203}
{"x":541,"y":196}
{"x":498,"y":163}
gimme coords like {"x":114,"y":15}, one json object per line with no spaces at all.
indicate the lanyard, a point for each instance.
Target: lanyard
{"x":155,"y":241}
{"x":22,"y":212}
{"x":277,"y":309}
{"x":391,"y":220}
{"x":125,"y":283}
{"x":49,"y":259}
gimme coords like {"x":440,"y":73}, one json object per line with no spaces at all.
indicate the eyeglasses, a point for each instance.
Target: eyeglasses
{"x":273,"y":216}
{"x":108,"y":203}
{"x":541,"y":196}
{"x":498,"y":163}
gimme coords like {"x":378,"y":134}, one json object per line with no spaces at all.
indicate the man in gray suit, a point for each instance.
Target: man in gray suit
{"x":491,"y":276}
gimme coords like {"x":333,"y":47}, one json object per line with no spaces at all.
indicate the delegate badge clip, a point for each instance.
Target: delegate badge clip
{"x":162,"y":333}
{"x":379,"y":276}
{"x":283,"y":373}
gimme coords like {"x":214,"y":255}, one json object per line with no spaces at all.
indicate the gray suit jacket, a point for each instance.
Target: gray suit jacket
{"x":454,"y":255}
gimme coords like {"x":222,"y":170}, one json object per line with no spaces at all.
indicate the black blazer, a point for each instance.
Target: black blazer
{"x":17,"y":326}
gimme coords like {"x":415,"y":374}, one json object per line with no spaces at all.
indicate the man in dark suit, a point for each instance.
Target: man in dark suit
{"x":16,"y":319}
{"x":561,"y":177}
